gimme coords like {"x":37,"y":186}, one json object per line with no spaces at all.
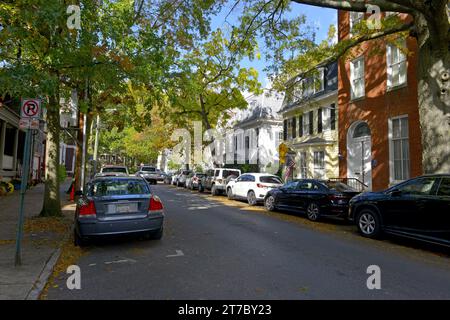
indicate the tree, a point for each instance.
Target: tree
{"x":431,"y":27}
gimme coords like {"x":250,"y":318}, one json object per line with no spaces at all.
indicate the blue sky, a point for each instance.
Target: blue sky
{"x":322,"y":18}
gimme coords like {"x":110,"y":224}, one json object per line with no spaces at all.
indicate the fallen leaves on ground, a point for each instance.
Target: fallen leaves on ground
{"x":47,"y":224}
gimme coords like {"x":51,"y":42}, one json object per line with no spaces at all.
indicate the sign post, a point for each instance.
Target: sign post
{"x":30,"y":112}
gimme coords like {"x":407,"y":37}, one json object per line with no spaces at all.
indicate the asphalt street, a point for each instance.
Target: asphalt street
{"x":214,"y":248}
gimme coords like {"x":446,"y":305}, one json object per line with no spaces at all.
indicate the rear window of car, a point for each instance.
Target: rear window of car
{"x":116,"y":187}
{"x":339,"y":186}
{"x":227,"y":173}
{"x":114,"y":169}
{"x":270,"y":179}
{"x":150,"y":169}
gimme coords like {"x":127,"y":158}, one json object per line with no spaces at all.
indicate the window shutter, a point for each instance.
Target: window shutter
{"x":319,"y":120}
{"x":300,"y":126}
{"x":285,"y":130}
{"x":294,"y":127}
{"x":311,"y":123}
{"x":333,"y":117}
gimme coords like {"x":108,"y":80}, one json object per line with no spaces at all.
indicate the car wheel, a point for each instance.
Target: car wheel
{"x":230,"y":194}
{"x":313,"y":211}
{"x":79,"y":241}
{"x":214,"y":190}
{"x":251,"y":198}
{"x":369,"y":224}
{"x":269,"y":203}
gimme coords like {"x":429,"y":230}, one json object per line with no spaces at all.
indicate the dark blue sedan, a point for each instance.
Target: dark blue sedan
{"x":116,"y":206}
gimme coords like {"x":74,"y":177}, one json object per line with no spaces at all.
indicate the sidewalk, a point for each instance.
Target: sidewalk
{"x":40,"y":245}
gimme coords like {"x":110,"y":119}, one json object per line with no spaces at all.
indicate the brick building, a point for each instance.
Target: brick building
{"x":379,"y":131}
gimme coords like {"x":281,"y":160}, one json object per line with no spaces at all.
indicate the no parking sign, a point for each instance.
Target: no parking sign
{"x":31,"y":108}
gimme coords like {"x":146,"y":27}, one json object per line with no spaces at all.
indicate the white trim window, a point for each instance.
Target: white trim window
{"x":319,"y":81}
{"x":319,"y":164}
{"x":357,"y":78}
{"x":306,"y":124}
{"x":399,"y":149}
{"x":396,"y":66}
{"x":355,"y":18}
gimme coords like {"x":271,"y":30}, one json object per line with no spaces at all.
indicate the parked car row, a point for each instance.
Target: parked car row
{"x":418,"y":208}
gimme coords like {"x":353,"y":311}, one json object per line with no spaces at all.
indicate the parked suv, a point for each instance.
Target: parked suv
{"x":217,"y":179}
{"x":151,"y":174}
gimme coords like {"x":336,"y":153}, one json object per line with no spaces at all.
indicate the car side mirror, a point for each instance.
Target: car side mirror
{"x":396,"y":193}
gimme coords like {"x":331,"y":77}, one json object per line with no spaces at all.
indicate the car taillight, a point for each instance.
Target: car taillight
{"x":259,"y":185}
{"x":87,"y":210}
{"x":155,"y":204}
{"x":338,"y":199}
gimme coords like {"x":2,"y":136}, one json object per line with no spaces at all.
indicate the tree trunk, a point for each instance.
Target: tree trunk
{"x":52,"y":204}
{"x":434,"y":94}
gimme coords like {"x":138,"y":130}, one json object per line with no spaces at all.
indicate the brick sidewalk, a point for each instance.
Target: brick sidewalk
{"x":38,"y":246}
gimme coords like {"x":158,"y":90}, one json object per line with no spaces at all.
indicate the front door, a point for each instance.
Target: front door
{"x":359,"y":153}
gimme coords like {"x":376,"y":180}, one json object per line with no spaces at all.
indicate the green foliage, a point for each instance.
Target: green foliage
{"x":62,"y":173}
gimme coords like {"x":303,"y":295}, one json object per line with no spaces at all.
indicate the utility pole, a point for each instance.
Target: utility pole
{"x":83,"y":155}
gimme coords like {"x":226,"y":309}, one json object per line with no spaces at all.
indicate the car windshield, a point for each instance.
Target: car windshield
{"x":270,"y":179}
{"x":339,"y":186}
{"x":149,"y":169}
{"x":227,"y":173}
{"x":116,"y":187}
{"x":114,"y":169}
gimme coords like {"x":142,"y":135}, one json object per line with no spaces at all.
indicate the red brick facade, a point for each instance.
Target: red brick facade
{"x":378,"y":106}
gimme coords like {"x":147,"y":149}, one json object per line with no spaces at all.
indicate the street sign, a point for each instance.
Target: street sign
{"x":34,"y":124}
{"x":24,"y":123}
{"x":30,"y":108}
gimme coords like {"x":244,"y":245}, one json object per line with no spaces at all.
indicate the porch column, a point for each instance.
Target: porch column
{"x":2,"y":141}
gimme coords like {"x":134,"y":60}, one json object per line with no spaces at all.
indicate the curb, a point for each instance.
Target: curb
{"x":40,"y":283}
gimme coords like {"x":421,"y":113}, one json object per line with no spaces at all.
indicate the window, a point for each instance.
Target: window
{"x":399,"y":148}
{"x":300,"y":126}
{"x":305,"y":125}
{"x":319,"y":83}
{"x":444,"y":188}
{"x":280,"y":135}
{"x":357,"y":78}
{"x":396,"y":66}
{"x":291,"y":185}
{"x":319,"y":164}
{"x":289,"y":129}
{"x":355,"y":18}
{"x":307,"y":186}
{"x":114,"y":187}
{"x":361,"y":130}
{"x":421,"y":186}
{"x":319,"y":120}
{"x":270,"y":179}
{"x":303,"y":166}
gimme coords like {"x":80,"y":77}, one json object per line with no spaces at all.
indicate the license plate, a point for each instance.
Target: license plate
{"x":122,"y":208}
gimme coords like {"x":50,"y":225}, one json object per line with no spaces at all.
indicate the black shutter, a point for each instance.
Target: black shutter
{"x":333,"y":116}
{"x":285,"y":130}
{"x":311,"y":123}
{"x":294,"y":127}
{"x":319,"y":120}
{"x":300,"y":126}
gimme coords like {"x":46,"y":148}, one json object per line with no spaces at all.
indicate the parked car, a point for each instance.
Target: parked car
{"x":115,"y":206}
{"x":175,"y":177}
{"x":193,"y":180}
{"x":113,"y":171}
{"x":252,"y":186}
{"x":417,"y":208}
{"x":181,"y":179}
{"x":317,"y":198}
{"x":168,"y":178}
{"x":217,"y":179}
{"x":150,"y":173}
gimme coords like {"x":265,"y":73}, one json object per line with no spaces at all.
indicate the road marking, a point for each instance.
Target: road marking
{"x":179,"y":253}
{"x":120,"y":261}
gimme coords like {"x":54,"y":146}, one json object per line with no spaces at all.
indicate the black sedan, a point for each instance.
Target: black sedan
{"x":315,"y":197}
{"x":418,"y":208}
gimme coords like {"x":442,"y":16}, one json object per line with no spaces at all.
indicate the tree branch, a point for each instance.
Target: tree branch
{"x":358,"y":5}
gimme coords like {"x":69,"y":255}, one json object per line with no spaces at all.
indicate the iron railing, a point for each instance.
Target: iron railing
{"x":354,"y":183}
